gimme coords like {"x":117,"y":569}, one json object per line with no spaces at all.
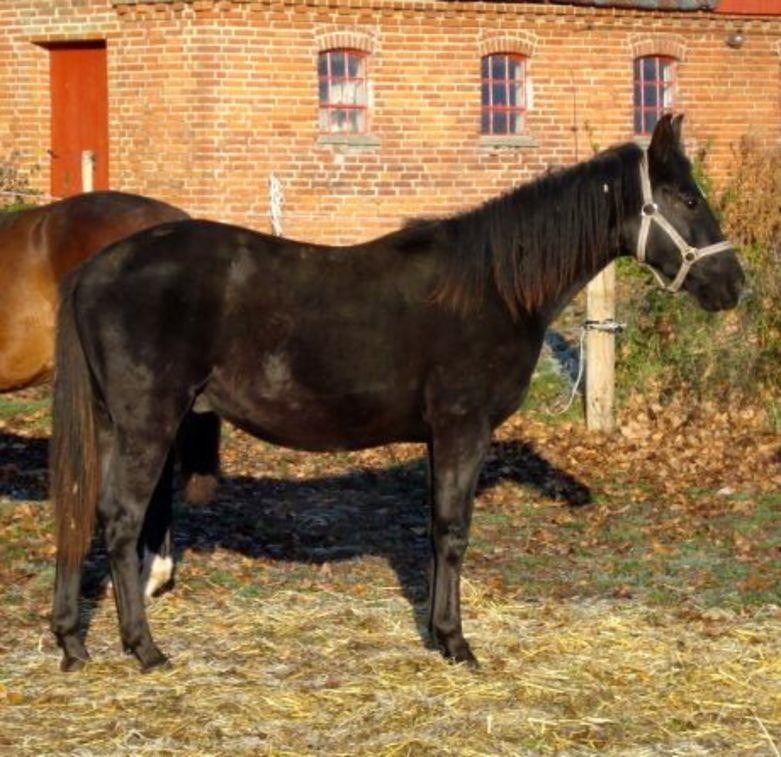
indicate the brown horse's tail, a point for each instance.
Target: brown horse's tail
{"x":73,"y":458}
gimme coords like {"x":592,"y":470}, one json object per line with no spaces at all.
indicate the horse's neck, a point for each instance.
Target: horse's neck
{"x":551,"y":309}
{"x":588,"y":267}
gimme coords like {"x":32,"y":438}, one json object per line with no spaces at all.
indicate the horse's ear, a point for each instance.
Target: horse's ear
{"x":665,"y":140}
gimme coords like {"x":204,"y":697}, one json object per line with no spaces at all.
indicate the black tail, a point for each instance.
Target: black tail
{"x":73,"y":459}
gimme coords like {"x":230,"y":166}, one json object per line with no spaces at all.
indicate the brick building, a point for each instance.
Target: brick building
{"x":368,"y":111}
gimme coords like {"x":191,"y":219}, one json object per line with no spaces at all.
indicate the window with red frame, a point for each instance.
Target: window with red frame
{"x":343,"y":91}
{"x":654,"y":90}
{"x":503,"y":93}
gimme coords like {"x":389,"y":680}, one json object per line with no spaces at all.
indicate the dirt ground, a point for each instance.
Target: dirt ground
{"x":622,"y":593}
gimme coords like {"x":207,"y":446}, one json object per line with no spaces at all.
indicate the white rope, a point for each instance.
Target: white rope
{"x":610,"y":326}
{"x":578,"y":378}
{"x":276,"y":200}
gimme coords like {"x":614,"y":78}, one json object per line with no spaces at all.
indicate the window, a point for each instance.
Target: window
{"x":654,"y":90}
{"x":342,"y":83}
{"x":503,"y":93}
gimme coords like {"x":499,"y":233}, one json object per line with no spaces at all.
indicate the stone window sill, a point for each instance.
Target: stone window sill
{"x":512,"y":141}
{"x":357,"y":141}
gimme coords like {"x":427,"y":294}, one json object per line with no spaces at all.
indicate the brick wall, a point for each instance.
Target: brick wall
{"x":208,"y":97}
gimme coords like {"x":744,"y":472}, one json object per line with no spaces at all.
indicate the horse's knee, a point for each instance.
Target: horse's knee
{"x":121,"y":531}
{"x":451,"y":540}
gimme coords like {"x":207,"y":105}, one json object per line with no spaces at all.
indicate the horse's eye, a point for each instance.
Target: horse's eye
{"x":691,"y":201}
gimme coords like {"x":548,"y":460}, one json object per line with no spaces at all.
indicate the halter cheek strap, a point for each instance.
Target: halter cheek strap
{"x":650,"y":213}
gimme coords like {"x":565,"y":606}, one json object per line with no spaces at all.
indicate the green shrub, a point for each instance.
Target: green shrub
{"x":15,"y":190}
{"x":672,"y":345}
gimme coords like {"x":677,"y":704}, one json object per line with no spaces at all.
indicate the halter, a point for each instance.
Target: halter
{"x":650,"y":212}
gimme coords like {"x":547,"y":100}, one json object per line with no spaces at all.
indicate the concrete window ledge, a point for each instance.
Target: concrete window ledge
{"x":356,"y":141}
{"x":512,"y":141}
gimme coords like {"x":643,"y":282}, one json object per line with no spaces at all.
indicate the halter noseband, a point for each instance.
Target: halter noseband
{"x":650,"y":212}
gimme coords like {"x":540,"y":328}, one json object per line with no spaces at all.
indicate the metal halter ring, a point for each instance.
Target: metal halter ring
{"x":650,"y":209}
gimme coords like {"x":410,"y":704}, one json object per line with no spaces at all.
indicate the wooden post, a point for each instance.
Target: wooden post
{"x":87,"y":170}
{"x":601,"y":352}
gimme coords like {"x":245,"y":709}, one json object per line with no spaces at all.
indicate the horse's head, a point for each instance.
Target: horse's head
{"x":677,"y":233}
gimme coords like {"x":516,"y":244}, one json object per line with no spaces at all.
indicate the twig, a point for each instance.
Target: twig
{"x":767,"y":735}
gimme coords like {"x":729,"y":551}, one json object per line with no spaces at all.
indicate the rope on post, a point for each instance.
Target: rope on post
{"x":610,"y":326}
{"x":276,"y":200}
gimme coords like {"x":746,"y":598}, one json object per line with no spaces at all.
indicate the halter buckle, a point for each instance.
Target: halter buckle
{"x":649,"y":209}
{"x":689,"y":255}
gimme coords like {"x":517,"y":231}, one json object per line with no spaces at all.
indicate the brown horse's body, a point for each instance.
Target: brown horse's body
{"x":37,"y":247}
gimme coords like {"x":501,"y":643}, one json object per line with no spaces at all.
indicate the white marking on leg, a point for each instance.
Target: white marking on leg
{"x":155,"y":572}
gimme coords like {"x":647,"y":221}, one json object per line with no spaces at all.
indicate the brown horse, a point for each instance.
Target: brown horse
{"x":37,"y":247}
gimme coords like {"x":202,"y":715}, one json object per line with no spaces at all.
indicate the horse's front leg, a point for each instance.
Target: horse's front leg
{"x":456,"y":452}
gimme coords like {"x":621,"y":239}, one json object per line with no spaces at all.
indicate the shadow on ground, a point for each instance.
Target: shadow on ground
{"x":23,"y":466}
{"x":363,"y":512}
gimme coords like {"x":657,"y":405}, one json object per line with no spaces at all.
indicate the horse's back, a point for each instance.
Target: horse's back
{"x":80,"y":226}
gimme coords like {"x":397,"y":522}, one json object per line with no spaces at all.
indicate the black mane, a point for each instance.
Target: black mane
{"x":531,"y":240}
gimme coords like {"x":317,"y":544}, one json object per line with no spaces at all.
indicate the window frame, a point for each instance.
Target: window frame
{"x":330,"y":79}
{"x":490,"y":81}
{"x":640,"y":109}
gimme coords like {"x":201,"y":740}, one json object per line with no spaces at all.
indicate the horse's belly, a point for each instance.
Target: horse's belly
{"x":302,"y":413}
{"x":320,"y":427}
{"x":287,"y":412}
{"x":26,"y":342}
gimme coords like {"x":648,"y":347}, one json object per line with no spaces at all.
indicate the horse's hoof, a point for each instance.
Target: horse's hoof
{"x":459,"y":652}
{"x":160,"y":591}
{"x":74,"y":653}
{"x":70,"y":664}
{"x":464,"y":656}
{"x":155,"y":662}
{"x":162,"y":664}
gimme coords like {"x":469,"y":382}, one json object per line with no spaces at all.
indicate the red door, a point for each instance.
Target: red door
{"x":79,"y":87}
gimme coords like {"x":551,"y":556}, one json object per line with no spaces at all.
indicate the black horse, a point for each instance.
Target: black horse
{"x":429,"y":334}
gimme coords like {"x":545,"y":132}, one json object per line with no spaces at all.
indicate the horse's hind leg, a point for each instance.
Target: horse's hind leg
{"x":155,"y":547}
{"x":65,"y":617}
{"x":65,"y":612}
{"x":133,"y":473}
{"x":456,"y":453}
{"x":198,"y":449}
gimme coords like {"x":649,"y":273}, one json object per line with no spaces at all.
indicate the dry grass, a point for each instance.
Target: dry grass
{"x":299,"y":673}
{"x":648,"y":623}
